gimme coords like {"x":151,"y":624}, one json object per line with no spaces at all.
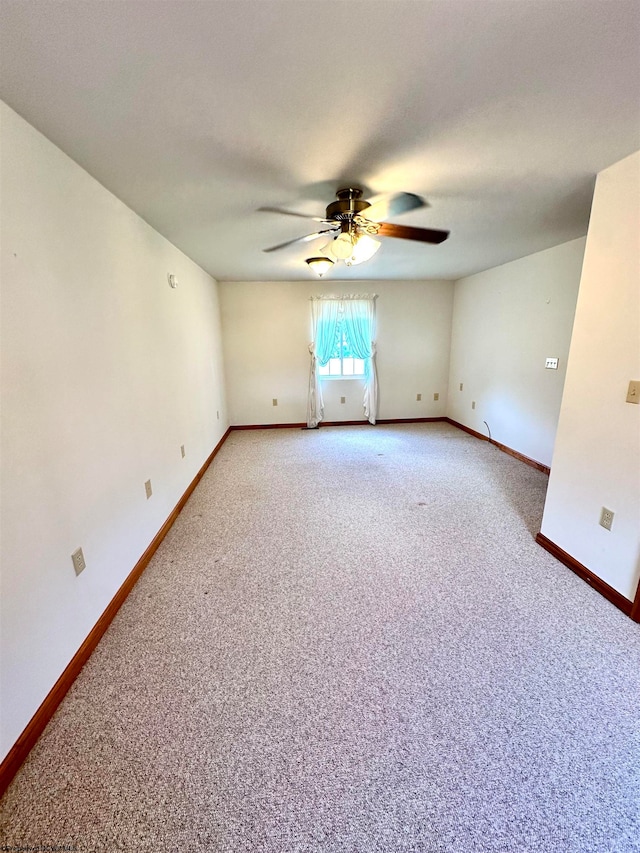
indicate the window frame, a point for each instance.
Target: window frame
{"x":342,"y":343}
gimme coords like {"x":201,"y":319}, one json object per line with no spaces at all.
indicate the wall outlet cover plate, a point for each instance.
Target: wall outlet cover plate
{"x":606,"y":518}
{"x":79,"y":564}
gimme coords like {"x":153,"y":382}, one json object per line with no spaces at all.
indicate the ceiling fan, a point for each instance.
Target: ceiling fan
{"x":355,"y":223}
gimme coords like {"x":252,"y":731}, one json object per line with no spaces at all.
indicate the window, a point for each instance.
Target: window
{"x":343,"y":346}
{"x":342,"y":361}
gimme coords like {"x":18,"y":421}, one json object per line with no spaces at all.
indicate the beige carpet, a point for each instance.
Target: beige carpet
{"x":349,"y":642}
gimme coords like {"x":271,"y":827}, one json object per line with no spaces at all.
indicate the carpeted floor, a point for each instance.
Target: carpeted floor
{"x":349,"y":642}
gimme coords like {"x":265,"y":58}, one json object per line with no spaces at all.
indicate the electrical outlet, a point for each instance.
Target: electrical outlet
{"x":274,"y":402}
{"x":343,"y":399}
{"x":147,"y":488}
{"x":418,"y":397}
{"x":551,"y":364}
{"x":606,"y":518}
{"x":182,"y":453}
{"x":78,"y":561}
{"x":473,"y":404}
{"x":436,"y":396}
{"x":461,"y":385}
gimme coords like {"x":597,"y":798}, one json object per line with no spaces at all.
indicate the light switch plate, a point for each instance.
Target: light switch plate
{"x":633,"y":392}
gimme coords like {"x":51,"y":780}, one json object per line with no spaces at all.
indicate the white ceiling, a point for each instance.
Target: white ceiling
{"x":197,"y":113}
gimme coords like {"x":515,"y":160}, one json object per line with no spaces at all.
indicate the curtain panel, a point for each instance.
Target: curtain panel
{"x":358,"y":315}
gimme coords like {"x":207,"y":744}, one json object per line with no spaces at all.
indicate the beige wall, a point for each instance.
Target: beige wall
{"x":106,"y":371}
{"x":491,"y":331}
{"x":596,"y":461}
{"x":506,"y":321}
{"x":266,"y":334}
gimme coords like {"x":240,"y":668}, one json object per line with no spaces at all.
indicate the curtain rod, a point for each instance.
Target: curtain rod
{"x":347,"y":296}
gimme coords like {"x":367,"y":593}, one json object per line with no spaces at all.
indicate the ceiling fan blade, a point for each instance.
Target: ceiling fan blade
{"x":393,"y":205}
{"x":293,"y":213}
{"x":304,"y":239}
{"x":406,"y":232}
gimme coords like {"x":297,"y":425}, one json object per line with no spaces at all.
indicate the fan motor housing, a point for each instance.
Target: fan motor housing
{"x":348,"y":205}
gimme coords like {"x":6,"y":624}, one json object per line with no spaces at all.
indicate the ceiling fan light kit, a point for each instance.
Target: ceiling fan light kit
{"x":364,"y":249}
{"x":340,"y":247}
{"x":356,"y":223}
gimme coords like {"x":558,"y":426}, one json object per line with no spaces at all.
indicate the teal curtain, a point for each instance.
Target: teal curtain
{"x":359,"y":319}
{"x":324,"y":323}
